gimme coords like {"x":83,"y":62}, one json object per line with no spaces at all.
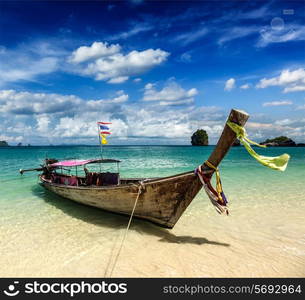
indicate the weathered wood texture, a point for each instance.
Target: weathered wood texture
{"x":226,"y":140}
{"x":163,"y":201}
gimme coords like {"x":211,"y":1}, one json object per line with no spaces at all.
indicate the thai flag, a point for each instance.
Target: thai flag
{"x":104,"y":127}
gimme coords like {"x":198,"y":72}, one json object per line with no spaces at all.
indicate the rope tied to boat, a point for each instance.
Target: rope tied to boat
{"x":278,"y":163}
{"x":218,"y":181}
{"x":217,"y":198}
{"x":140,"y":189}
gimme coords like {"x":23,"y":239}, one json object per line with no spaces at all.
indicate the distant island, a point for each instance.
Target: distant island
{"x":281,"y":141}
{"x":3,"y":144}
{"x":200,"y":138}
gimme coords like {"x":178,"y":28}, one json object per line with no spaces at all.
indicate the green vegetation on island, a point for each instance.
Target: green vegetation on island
{"x":3,"y":144}
{"x":282,"y":141}
{"x":200,"y":138}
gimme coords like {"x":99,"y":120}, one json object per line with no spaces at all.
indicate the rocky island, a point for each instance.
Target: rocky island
{"x":3,"y":144}
{"x":281,"y":141}
{"x":200,"y":138}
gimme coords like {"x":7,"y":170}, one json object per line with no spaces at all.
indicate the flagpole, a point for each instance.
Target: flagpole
{"x":99,"y":137}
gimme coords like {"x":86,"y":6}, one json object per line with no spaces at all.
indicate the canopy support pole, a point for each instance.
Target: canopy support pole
{"x":100,"y":142}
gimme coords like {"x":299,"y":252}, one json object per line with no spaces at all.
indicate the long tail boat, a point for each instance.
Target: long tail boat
{"x":159,"y":200}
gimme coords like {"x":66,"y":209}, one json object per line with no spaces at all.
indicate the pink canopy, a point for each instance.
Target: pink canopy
{"x":73,"y":163}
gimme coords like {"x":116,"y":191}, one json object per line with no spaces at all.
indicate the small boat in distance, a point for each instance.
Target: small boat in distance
{"x":159,"y":200}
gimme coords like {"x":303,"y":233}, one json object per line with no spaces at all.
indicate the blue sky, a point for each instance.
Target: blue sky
{"x":156,"y":70}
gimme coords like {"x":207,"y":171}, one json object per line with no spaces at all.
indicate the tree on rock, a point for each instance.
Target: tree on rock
{"x":280,"y":141}
{"x":200,"y":138}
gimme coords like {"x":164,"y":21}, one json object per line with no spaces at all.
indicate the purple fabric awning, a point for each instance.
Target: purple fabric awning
{"x":73,"y":163}
{"x":81,"y":162}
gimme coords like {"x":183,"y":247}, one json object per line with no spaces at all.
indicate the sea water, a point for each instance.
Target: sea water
{"x":42,"y":234}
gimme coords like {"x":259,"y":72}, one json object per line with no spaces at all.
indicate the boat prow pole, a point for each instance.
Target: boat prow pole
{"x":225,"y":141}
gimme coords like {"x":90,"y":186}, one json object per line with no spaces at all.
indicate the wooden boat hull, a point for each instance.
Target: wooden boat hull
{"x":161,"y":201}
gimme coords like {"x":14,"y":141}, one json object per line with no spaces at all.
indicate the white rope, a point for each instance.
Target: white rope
{"x":127,"y":228}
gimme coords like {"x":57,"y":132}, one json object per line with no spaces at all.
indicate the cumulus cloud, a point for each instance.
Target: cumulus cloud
{"x":108,"y":63}
{"x":96,"y":50}
{"x":278,"y":103}
{"x":230,"y":84}
{"x":53,"y":118}
{"x":43,"y":122}
{"x":291,"y":81}
{"x":41,"y":118}
{"x":171,"y":94}
{"x":261,"y":131}
{"x":245,"y":86}
{"x":27,"y":103}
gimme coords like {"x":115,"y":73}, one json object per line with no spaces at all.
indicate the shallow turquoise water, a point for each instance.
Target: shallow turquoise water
{"x":264,"y":204}
{"x":238,"y":169}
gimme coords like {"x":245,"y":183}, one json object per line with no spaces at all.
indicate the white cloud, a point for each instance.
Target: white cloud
{"x":11,"y":139}
{"x":236,"y":33}
{"x":292,"y":81}
{"x":171,"y":94}
{"x":27,"y":70}
{"x":278,"y":103}
{"x":26,"y":103}
{"x":190,"y":37}
{"x":119,"y":79}
{"x":28,"y":62}
{"x":43,"y":122}
{"x":40,"y":118}
{"x":136,"y":29}
{"x":55,"y":118}
{"x":96,"y":50}
{"x":230,"y":84}
{"x":284,"y":122}
{"x":245,"y":86}
{"x":107,"y":62}
{"x":296,"y":88}
{"x":281,"y":34}
{"x":186,"y":57}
